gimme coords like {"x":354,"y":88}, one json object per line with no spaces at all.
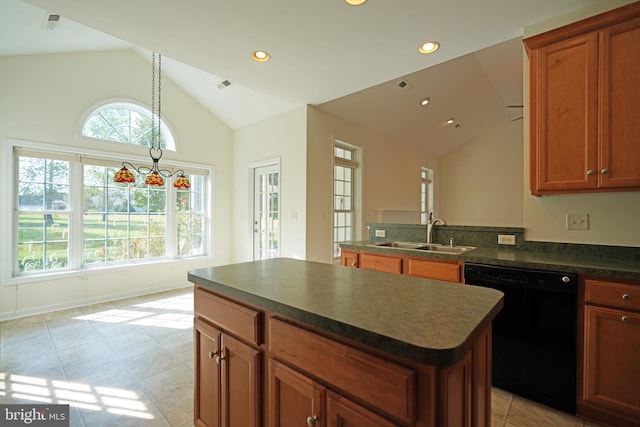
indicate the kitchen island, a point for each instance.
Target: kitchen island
{"x":282,"y":342}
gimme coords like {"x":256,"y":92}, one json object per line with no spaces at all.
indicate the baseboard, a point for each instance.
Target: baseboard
{"x":91,"y":301}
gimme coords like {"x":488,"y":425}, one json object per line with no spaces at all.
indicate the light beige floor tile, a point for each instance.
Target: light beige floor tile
{"x":150,"y":365}
{"x":178,"y":409}
{"x":500,"y":403}
{"x":525,"y":413}
{"x":165,"y":384}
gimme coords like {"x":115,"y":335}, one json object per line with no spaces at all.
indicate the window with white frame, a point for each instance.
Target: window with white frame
{"x":127,"y":123}
{"x":69,"y":214}
{"x":345,"y":166}
{"x":426,"y":194}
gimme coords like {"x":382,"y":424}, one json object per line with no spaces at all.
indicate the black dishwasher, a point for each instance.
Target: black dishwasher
{"x":534,"y":336}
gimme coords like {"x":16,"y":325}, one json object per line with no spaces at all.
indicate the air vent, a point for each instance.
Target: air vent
{"x":223,"y":84}
{"x":404,"y":84}
{"x":50,"y":20}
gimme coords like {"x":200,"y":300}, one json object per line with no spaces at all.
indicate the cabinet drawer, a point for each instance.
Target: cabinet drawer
{"x":372,"y":380}
{"x":234,"y":318}
{"x":451,"y":272}
{"x":612,"y":294}
{"x":381,"y":263}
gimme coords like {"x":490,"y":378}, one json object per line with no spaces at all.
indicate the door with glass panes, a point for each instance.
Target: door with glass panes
{"x":266,"y":215}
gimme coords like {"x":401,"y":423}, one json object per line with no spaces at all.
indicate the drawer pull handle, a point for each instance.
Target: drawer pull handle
{"x":626,"y":297}
{"x":212,"y":354}
{"x":626,"y":319}
{"x":311,"y":421}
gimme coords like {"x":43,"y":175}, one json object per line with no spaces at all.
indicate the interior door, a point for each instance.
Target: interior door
{"x":266,"y":212}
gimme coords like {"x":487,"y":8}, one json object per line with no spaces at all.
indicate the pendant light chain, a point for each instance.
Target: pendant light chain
{"x":153,"y":100}
{"x":159,"y":95}
{"x":155,"y":175}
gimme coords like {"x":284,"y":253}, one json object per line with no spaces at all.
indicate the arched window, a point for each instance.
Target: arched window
{"x":128,"y":123}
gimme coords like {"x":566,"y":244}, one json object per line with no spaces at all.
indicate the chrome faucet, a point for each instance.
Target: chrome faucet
{"x":430,"y":225}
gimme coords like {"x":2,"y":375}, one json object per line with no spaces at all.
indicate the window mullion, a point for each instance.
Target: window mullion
{"x":76,"y":186}
{"x":171,"y":249}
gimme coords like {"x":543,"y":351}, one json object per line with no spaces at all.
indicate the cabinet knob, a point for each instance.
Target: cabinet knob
{"x":566,"y":279}
{"x":626,"y":319}
{"x":590,"y":172}
{"x":604,"y":171}
{"x":219,"y":358}
{"x":212,"y":354}
{"x":353,"y":264}
{"x":626,"y":297}
{"x":311,"y":421}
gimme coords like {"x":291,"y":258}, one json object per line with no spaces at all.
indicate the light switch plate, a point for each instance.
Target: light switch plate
{"x":577,"y":221}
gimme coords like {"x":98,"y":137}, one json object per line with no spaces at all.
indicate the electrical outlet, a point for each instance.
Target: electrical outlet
{"x":506,"y":239}
{"x":577,"y":221}
{"x":381,"y":233}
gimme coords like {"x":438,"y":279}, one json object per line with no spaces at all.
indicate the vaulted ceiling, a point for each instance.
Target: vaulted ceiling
{"x":360,"y":63}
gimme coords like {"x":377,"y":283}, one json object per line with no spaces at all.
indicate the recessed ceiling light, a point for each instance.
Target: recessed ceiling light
{"x":260,"y":56}
{"x":425,"y":101}
{"x":451,"y":121}
{"x":429,"y":47}
{"x":355,"y":2}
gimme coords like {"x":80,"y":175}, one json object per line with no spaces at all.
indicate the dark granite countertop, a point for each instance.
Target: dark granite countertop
{"x":539,"y":260}
{"x":427,"y":321}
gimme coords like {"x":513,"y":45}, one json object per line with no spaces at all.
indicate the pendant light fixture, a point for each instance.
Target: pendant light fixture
{"x":155,"y":175}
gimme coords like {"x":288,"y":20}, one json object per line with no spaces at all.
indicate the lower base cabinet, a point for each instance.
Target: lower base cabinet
{"x":297,"y":400}
{"x":267,"y":370}
{"x":611,"y":348}
{"x":429,"y":268}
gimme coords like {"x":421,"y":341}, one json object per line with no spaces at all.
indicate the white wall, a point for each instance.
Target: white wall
{"x":282,"y":138}
{"x":481,"y":182}
{"x":391,"y":173}
{"x":44,"y":99}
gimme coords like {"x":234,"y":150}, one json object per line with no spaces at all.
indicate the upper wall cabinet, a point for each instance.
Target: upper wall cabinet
{"x":585,"y":107}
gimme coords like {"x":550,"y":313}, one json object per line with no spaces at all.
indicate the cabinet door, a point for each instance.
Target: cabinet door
{"x":341,"y":412}
{"x":619,"y":120}
{"x":439,"y":270}
{"x":241,"y":374}
{"x":294,"y":399}
{"x":207,"y":375}
{"x":564,"y":127}
{"x":381,"y":263}
{"x":611,"y":354}
{"x":349,"y":259}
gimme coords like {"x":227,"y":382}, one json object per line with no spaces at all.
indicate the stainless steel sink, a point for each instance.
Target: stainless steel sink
{"x":426,"y":247}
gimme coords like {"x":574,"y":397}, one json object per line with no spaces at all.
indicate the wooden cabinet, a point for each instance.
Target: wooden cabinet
{"x":585,"y":133}
{"x":389,"y":264}
{"x":611,"y":350}
{"x":207,"y":380}
{"x":450,"y":271}
{"x":319,"y":379}
{"x":429,"y":268}
{"x":297,"y":400}
{"x":341,"y":412}
{"x":294,"y":399}
{"x":227,"y":371}
{"x":348,"y":258}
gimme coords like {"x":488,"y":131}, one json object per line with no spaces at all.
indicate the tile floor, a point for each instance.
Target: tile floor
{"x":130,"y":363}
